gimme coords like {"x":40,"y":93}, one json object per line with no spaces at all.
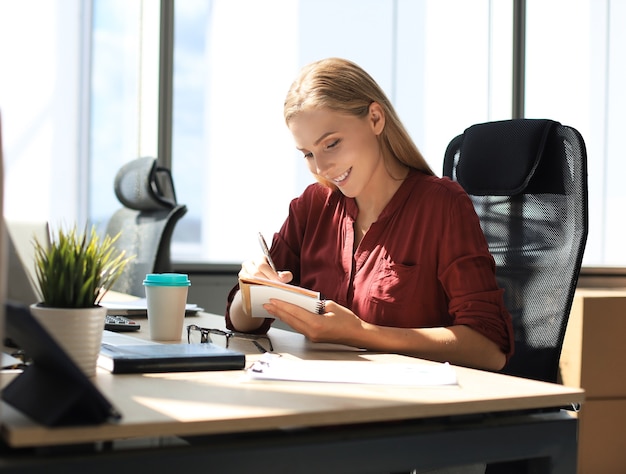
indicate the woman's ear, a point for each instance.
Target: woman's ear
{"x":377,"y":118}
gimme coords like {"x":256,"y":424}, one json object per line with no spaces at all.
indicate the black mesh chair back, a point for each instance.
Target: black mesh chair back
{"x":146,"y":222}
{"x":528,"y":182}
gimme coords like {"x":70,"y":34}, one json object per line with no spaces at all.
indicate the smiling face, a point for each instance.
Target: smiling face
{"x":342,"y":148}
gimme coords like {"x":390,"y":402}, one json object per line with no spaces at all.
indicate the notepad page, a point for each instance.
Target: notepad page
{"x":260,"y":294}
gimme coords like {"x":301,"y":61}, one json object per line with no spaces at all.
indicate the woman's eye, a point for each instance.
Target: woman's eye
{"x":308,"y":155}
{"x":333,"y":144}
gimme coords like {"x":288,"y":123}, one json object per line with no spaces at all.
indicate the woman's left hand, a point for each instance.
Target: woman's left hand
{"x":338,"y":324}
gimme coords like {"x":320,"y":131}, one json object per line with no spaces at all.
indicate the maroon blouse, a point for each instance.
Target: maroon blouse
{"x":423,"y":263}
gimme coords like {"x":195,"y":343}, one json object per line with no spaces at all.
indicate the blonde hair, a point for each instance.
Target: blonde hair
{"x":342,"y":86}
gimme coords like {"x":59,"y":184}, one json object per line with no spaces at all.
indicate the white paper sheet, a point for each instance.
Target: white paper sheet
{"x":275,"y":367}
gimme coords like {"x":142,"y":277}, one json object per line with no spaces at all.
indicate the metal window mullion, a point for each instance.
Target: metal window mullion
{"x":166,"y":69}
{"x":519,"y":57}
{"x":84,"y":162}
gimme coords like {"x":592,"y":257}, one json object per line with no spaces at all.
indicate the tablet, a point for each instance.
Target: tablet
{"x":52,"y":390}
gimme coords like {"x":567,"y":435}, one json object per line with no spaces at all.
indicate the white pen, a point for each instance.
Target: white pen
{"x":266,"y":251}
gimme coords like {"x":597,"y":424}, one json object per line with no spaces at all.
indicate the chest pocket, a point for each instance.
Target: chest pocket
{"x":393,"y":283}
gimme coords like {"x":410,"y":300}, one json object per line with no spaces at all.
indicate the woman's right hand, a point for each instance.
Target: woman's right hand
{"x":260,"y":268}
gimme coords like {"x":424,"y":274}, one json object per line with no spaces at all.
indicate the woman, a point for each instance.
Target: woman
{"x":397,"y":252}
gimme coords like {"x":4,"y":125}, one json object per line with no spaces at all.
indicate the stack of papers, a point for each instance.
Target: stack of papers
{"x":139,"y":307}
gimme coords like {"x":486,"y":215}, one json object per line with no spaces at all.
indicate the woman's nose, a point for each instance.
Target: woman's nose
{"x":322,"y":166}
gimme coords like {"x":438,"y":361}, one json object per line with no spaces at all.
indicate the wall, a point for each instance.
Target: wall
{"x":209,"y":290}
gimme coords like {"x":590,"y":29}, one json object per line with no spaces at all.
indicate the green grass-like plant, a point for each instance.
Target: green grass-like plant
{"x":77,"y":269}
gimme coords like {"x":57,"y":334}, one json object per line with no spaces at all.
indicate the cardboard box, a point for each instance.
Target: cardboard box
{"x":593,"y":358}
{"x":594,"y":349}
{"x":602,"y":437}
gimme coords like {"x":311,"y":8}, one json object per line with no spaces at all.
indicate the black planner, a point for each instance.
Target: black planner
{"x":143,"y":358}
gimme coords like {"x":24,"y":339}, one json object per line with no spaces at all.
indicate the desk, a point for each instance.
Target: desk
{"x":262,"y":426}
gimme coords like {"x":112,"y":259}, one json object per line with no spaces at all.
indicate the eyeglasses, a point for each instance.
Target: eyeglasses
{"x":198,"y":335}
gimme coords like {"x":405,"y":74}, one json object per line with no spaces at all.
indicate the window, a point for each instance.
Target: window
{"x":123,"y":95}
{"x":86,"y":100}
{"x":575,"y":71}
{"x":41,"y":87}
{"x":234,"y":162}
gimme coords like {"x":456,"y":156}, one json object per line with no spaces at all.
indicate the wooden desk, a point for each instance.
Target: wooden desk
{"x":302,"y":427}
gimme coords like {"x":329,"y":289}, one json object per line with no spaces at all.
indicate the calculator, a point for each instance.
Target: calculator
{"x":120,"y":324}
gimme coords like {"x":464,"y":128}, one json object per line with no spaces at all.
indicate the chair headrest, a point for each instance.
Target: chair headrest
{"x":137,"y":186}
{"x":500,"y":158}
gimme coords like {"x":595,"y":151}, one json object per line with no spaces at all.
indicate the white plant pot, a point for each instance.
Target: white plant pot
{"x":77,"y":330}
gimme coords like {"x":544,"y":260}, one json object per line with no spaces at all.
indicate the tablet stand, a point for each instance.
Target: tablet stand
{"x":52,"y":390}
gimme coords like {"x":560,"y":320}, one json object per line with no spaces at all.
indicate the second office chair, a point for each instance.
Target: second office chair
{"x":146,"y":222}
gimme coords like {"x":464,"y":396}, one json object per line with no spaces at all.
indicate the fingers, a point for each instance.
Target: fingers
{"x":291,"y":313}
{"x":258,"y":268}
{"x":283,"y":310}
{"x":261,"y":269}
{"x":248,"y":269}
{"x":285,"y":276}
{"x":313,"y":326}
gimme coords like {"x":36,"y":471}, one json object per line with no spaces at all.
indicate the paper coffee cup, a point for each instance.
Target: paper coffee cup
{"x":166,"y":297}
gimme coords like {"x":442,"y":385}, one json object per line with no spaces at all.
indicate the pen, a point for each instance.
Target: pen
{"x":266,"y":251}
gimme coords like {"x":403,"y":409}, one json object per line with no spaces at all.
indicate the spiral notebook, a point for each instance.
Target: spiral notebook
{"x":256,"y":292}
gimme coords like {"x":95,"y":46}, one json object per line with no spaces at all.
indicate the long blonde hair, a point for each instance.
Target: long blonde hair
{"x":343,"y":86}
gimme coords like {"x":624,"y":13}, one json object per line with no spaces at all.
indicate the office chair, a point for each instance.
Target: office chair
{"x":146,"y":222}
{"x":528,"y":181}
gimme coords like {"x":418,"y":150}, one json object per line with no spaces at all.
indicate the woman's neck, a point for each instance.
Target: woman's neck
{"x":375,"y":198}
{"x":372,"y":203}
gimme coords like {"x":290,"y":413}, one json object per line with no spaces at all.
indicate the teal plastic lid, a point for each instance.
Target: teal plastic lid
{"x":166,"y":279}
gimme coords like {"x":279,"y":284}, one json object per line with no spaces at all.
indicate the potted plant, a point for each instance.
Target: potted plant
{"x":74,"y":272}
